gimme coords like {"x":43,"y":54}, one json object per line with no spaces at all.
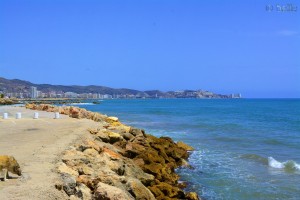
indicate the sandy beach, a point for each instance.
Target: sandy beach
{"x":36,"y":144}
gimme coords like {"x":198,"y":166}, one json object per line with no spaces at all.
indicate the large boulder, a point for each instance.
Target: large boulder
{"x":63,"y":168}
{"x":69,"y":184}
{"x":192,"y":196}
{"x":138,"y":190}
{"x":84,"y":192}
{"x":184,"y":146}
{"x":107,"y":192}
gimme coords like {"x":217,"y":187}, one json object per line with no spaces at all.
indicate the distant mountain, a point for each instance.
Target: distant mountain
{"x":16,"y":85}
{"x":20,"y":86}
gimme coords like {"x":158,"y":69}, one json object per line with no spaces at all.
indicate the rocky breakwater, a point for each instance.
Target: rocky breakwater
{"x":6,"y":101}
{"x":116,"y":161}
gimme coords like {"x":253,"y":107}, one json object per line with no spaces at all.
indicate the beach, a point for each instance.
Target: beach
{"x":36,"y":144}
{"x":68,"y":158}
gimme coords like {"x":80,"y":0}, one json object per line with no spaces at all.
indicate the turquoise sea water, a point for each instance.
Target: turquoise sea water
{"x":245,"y":148}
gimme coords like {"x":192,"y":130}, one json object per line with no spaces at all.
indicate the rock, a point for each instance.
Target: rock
{"x":109,"y":136}
{"x":127,"y":136}
{"x":84,"y":169}
{"x":176,"y":153}
{"x":151,"y":156}
{"x":86,"y":180}
{"x":73,"y":197}
{"x":84,"y":192}
{"x":117,"y":166}
{"x":107,"y":192}
{"x":93,"y":131}
{"x":134,"y":171}
{"x":170,"y":191}
{"x":125,"y":128}
{"x":96,"y":117}
{"x":185,"y":146}
{"x":133,"y":149}
{"x":111,"y":119}
{"x":113,"y":155}
{"x":72,"y":157}
{"x":58,"y":186}
{"x":69,"y":184}
{"x":91,"y":152}
{"x":139,"y":162}
{"x":102,"y":136}
{"x":109,"y":177}
{"x":90,"y":144}
{"x":113,"y":137}
{"x":182,"y":184}
{"x":136,"y":131}
{"x":74,"y":112}
{"x":192,"y":196}
{"x":184,"y":163}
{"x":138,"y":190}
{"x":63,"y":168}
{"x":156,"y":191}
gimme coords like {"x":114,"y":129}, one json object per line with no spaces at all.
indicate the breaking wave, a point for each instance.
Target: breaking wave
{"x":289,"y":165}
{"x":256,"y":158}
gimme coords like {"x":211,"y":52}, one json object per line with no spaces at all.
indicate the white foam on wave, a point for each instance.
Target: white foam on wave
{"x":274,"y":163}
{"x":281,"y":165}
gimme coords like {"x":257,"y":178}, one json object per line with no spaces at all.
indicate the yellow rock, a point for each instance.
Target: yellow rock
{"x":185,"y":146}
{"x":63,"y":168}
{"x":112,"y":120}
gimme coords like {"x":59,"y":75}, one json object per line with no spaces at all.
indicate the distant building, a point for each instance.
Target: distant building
{"x":236,"y":96}
{"x":33,"y":92}
{"x":107,"y":96}
{"x":71,"y":95}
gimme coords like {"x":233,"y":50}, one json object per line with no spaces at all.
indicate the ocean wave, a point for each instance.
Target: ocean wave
{"x":273,"y":142}
{"x":256,"y":158}
{"x":289,"y":165}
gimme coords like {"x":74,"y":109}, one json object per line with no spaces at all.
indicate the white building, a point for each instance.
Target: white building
{"x":71,"y":95}
{"x":33,"y":92}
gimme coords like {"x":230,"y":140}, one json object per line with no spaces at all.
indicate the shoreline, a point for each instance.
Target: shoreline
{"x":134,"y":164}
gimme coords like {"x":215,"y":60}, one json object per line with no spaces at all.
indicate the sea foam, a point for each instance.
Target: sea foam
{"x":288,"y":165}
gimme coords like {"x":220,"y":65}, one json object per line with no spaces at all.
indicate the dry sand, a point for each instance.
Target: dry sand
{"x":37,"y":144}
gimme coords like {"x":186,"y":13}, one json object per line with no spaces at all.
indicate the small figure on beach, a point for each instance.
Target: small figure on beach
{"x":8,"y":164}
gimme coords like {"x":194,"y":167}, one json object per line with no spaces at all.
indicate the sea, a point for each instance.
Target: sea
{"x":244,"y":148}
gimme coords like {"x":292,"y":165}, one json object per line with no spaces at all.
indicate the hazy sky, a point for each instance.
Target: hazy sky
{"x":222,"y":46}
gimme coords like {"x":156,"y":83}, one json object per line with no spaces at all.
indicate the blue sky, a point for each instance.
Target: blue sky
{"x":225,"y":47}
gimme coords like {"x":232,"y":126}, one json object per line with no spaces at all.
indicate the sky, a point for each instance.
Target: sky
{"x":222,"y":46}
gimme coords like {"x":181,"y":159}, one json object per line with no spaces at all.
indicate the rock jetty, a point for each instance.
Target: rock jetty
{"x":7,"y":101}
{"x":116,"y":161}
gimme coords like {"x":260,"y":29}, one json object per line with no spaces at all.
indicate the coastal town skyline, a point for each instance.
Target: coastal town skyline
{"x":244,"y":47}
{"x":26,"y":90}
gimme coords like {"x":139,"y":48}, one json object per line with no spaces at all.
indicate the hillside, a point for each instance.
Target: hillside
{"x":16,"y":86}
